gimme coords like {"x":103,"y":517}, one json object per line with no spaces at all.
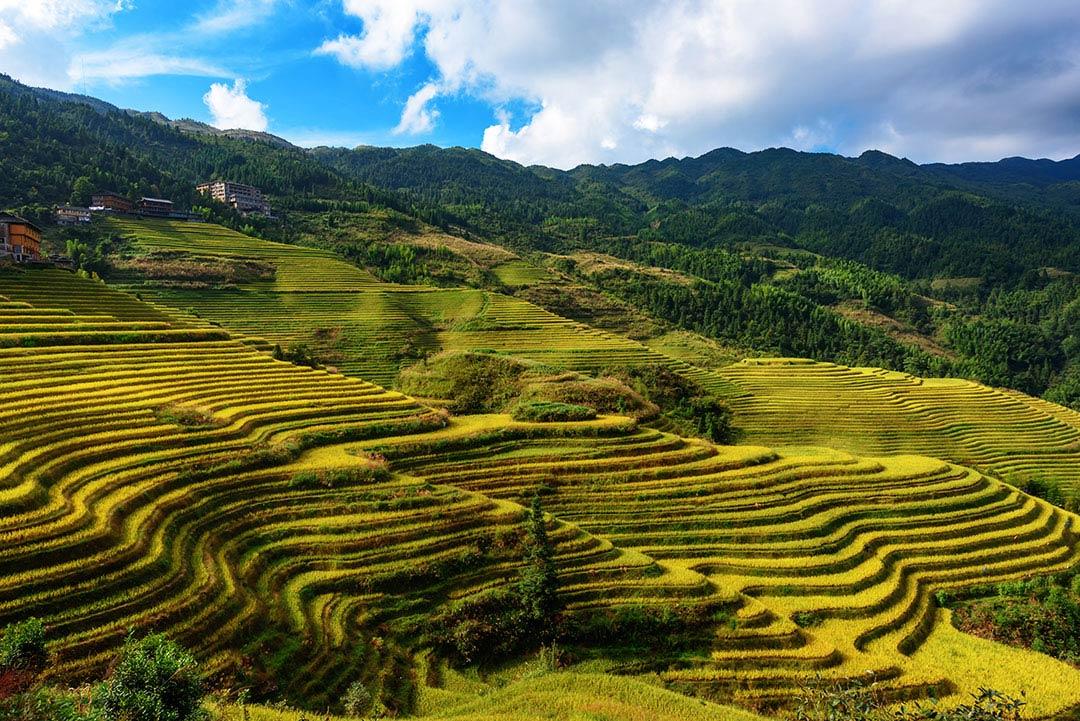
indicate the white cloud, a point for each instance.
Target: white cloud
{"x":47,"y":26}
{"x":417,"y":117}
{"x":60,"y":15}
{"x":125,"y":61}
{"x":7,"y":35}
{"x":232,"y":15}
{"x":386,"y":36}
{"x":232,"y":108}
{"x":624,"y":80}
{"x":649,"y":122}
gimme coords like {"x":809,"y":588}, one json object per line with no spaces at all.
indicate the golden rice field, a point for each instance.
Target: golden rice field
{"x":152,"y":478}
{"x":853,"y":547}
{"x":370,"y":329}
{"x":868,"y":410}
{"x":159,"y":470}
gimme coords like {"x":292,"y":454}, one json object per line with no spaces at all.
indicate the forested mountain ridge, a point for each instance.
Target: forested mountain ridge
{"x":917,"y":221}
{"x":790,"y":253}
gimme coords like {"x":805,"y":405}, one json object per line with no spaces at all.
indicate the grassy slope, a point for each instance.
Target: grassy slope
{"x":370,"y":329}
{"x":554,"y":697}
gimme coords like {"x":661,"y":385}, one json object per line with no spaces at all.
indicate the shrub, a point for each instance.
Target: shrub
{"x":154,"y":680}
{"x":358,"y":700}
{"x":544,"y":412}
{"x":605,"y":395}
{"x":837,"y":701}
{"x":298,"y":354}
{"x":986,"y":705}
{"x":22,"y":646}
{"x":856,"y":701}
{"x":476,"y":382}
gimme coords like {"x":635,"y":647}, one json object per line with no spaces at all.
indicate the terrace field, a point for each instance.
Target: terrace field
{"x":301,"y":529}
{"x":830,"y":559}
{"x":154,"y":477}
{"x":1009,"y":434}
{"x":370,"y":329}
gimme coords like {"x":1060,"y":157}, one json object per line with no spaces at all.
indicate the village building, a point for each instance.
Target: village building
{"x":72,"y":215}
{"x":19,"y":239}
{"x":110,"y":201}
{"x":245,"y":198}
{"x":155,"y":207}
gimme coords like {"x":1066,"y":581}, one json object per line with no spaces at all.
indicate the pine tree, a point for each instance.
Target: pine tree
{"x":538,"y":586}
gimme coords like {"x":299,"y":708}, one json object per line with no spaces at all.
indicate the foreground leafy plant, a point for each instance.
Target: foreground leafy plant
{"x":154,"y":680}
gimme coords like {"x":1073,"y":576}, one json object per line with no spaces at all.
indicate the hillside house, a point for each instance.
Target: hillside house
{"x":109,"y":201}
{"x":154,"y":207}
{"x":245,"y":198}
{"x":19,"y":239}
{"x":71,"y":215}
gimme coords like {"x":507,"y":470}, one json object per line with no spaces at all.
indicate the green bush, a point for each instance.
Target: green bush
{"x":358,"y":700}
{"x":154,"y":680}
{"x":546,"y":412}
{"x":475,"y":382}
{"x":689,"y":408}
{"x":22,"y":646}
{"x":605,"y":395}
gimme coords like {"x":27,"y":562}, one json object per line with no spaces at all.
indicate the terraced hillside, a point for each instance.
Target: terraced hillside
{"x":152,"y":478}
{"x":867,"y":410}
{"x":161,"y":473}
{"x":834,"y":558}
{"x":366,"y":328}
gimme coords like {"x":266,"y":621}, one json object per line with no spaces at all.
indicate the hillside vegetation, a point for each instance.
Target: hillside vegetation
{"x":700,"y":438}
{"x":201,"y":488}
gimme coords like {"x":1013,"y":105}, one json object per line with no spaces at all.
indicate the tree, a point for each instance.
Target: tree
{"x":81,"y":190}
{"x":358,"y":700}
{"x":154,"y":679}
{"x":538,"y":586}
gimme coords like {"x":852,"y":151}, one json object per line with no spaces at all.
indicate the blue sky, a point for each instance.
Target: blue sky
{"x":561,"y":82}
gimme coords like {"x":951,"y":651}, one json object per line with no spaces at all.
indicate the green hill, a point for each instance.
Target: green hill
{"x":208,"y":443}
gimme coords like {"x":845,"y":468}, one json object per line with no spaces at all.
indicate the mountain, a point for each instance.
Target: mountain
{"x":194,"y":127}
{"x":50,"y":140}
{"x":787,"y":252}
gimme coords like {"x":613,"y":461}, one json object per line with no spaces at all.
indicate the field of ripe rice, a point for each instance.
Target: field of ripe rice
{"x":867,"y":410}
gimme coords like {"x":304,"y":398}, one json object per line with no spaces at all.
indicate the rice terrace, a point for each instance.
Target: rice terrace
{"x":614,"y":427}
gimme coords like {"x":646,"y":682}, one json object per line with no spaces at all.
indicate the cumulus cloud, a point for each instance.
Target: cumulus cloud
{"x":624,"y":80}
{"x":230,"y":107}
{"x":45,"y":26}
{"x":418,"y":117}
{"x":386,"y":36}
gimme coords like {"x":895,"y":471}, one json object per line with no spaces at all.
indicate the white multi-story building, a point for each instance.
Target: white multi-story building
{"x":71,"y":215}
{"x":245,"y":198}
